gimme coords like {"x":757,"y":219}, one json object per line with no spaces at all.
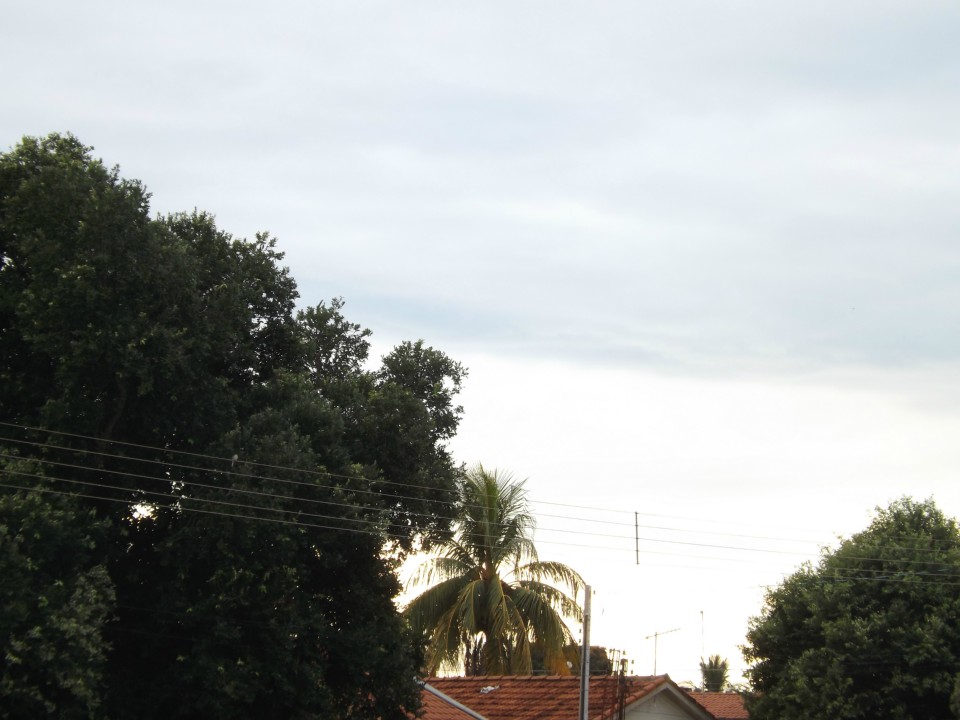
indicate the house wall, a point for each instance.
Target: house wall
{"x":659,"y":707}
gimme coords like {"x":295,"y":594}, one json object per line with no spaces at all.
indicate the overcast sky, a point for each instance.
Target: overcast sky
{"x":702,"y":259}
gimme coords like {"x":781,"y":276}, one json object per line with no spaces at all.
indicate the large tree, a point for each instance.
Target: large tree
{"x":869,"y":632}
{"x":230,"y":469}
{"x":494,"y":598}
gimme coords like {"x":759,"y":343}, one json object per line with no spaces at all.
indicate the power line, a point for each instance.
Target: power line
{"x":185,"y":498}
{"x":190,"y":483}
{"x":233,"y":473}
{"x":942,"y":579}
{"x":378,"y":526}
{"x":180,"y":508}
{"x":447,"y":504}
{"x":321,"y":473}
{"x":327,"y":474}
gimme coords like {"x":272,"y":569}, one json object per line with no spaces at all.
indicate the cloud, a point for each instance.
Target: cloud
{"x":694,"y":187}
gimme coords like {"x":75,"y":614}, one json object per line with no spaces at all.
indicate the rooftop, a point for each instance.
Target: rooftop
{"x":536,"y":697}
{"x":722,"y":705}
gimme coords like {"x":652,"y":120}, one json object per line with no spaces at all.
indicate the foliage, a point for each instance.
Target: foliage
{"x":955,"y":697}
{"x":401,"y":428}
{"x":474,"y":613}
{"x":395,"y":420}
{"x":54,"y":600}
{"x":714,"y":673}
{"x":124,"y":328}
{"x":226,"y":465}
{"x":600,"y":662}
{"x":871,"y":631}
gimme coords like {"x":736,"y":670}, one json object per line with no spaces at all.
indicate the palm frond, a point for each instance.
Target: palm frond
{"x":545,"y":626}
{"x":554,"y":572}
{"x":521,"y":659}
{"x":495,"y":656}
{"x":471,"y":606}
{"x":438,"y":568}
{"x":426,"y":611}
{"x":564,"y":605}
{"x":445,"y":644}
{"x":499,"y":621}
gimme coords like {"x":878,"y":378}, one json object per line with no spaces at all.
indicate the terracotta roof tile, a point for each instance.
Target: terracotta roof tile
{"x":436,"y":709}
{"x":722,"y":705}
{"x":539,"y":697}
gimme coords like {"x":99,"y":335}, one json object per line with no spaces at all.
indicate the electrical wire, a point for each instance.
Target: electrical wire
{"x":327,"y":474}
{"x":313,"y":485}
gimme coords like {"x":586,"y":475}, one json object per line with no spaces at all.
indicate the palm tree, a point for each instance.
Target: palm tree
{"x":474,"y":613}
{"x":714,"y":673}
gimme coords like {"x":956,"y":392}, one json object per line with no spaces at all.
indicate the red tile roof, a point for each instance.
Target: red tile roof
{"x":434,"y":708}
{"x":722,"y":705}
{"x":547,"y":697}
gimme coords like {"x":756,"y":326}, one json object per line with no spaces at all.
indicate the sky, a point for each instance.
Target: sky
{"x":701,"y":259}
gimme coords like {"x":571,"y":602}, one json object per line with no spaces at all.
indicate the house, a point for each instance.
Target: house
{"x":553,"y":697}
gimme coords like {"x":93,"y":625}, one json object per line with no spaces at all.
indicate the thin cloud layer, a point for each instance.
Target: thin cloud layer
{"x":684,"y":186}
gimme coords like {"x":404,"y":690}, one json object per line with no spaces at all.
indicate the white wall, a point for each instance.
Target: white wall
{"x":661,"y":706}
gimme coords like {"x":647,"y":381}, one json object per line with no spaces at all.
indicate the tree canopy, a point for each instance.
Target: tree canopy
{"x":494,"y":599}
{"x":198,"y":478}
{"x":55,"y":598}
{"x":871,"y":631}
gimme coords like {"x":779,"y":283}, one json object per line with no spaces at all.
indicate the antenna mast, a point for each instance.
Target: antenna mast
{"x":655,"y":637}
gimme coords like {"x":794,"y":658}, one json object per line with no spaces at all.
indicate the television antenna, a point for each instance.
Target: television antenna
{"x":656,"y":636}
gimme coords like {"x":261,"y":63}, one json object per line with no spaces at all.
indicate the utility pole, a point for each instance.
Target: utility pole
{"x":622,"y":691}
{"x":655,"y":636}
{"x":585,"y":657}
